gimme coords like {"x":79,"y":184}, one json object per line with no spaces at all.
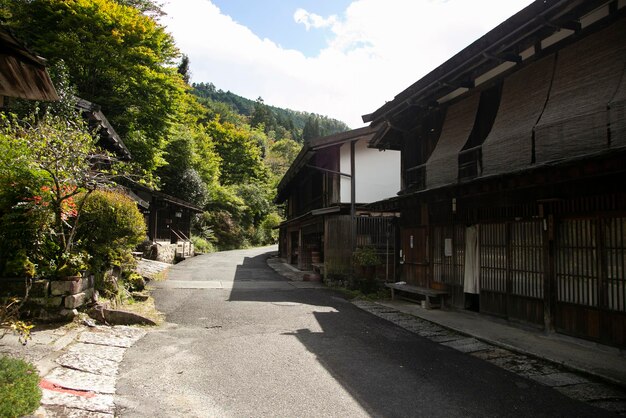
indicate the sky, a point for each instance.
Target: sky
{"x":339,"y":58}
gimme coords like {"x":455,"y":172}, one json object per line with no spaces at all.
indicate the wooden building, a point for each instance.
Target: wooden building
{"x":325,"y":191}
{"x":22,"y":73}
{"x":168,"y":218}
{"x":513,"y":193}
{"x":109,"y":139}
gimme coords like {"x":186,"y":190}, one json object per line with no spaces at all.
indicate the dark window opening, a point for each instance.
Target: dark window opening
{"x":470,"y":157}
{"x":419,"y":145}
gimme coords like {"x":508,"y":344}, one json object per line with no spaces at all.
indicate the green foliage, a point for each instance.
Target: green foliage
{"x":365,"y":257}
{"x":111,"y":227}
{"x":272,"y":118}
{"x":149,"y":7}
{"x":10,"y":312}
{"x":202,"y":245}
{"x":38,"y":211}
{"x":311,"y":129}
{"x":269,"y":228}
{"x":192,"y":165}
{"x":117,"y":57}
{"x":240,"y":156}
{"x":134,"y":282}
{"x":19,"y":388}
{"x":280,"y":156}
{"x":228,"y":233}
{"x":256,"y":203}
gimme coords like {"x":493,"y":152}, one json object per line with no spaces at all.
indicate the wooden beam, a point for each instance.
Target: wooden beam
{"x":506,"y":57}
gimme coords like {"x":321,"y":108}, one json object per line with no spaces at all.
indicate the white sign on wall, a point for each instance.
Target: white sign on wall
{"x":448,"y":247}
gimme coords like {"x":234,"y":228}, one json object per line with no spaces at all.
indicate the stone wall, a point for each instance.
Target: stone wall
{"x":50,"y":299}
{"x":166,"y":252}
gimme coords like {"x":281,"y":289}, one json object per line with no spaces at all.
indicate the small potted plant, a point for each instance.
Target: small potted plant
{"x":366,"y":259}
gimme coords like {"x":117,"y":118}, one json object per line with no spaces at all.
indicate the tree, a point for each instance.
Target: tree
{"x":58,"y":162}
{"x":149,"y":7}
{"x":240,"y":155}
{"x":117,"y":57}
{"x":280,"y":156}
{"x":262,"y":116}
{"x":183,"y":68}
{"x":311,"y":128}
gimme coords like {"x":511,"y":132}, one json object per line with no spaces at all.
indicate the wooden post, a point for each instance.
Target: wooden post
{"x":352,"y":204}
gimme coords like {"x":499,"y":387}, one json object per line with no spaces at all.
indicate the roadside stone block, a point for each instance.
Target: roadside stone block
{"x":63,"y":412}
{"x":89,"y":282}
{"x":49,"y":302}
{"x":106,"y":339}
{"x":78,"y":300}
{"x":82,"y":380}
{"x":97,"y":403}
{"x":71,"y":287}
{"x":53,"y":302}
{"x":115,"y":354}
{"x":62,"y":287}
{"x":39,"y":288}
{"x":95,"y":365}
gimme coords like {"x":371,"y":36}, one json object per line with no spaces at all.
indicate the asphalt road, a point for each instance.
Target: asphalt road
{"x":241,"y":341}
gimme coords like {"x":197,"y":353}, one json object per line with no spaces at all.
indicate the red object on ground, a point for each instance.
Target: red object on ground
{"x":46,"y":384}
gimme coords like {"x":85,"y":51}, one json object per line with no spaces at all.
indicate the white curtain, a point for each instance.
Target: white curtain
{"x":471,"y":282}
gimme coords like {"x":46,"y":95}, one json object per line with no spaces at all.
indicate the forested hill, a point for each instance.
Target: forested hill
{"x":301,"y":125}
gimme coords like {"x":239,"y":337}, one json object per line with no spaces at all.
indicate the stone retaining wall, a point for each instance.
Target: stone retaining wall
{"x":166,"y":252}
{"x":50,"y":299}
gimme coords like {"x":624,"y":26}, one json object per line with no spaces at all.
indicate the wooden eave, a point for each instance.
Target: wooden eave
{"x":164,"y":197}
{"x":22,"y":73}
{"x":309,"y":150}
{"x":503,"y":43}
{"x":553,"y":175}
{"x":105,"y":129}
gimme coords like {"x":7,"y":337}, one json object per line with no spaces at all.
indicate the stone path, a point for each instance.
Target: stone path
{"x":78,"y":365}
{"x":150,"y":268}
{"x":83,"y":382}
{"x":574,"y":385}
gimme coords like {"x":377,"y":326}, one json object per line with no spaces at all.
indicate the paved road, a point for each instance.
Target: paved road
{"x":241,"y":341}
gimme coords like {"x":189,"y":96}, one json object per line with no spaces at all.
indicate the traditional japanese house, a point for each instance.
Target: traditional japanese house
{"x":109,"y":139}
{"x":168,"y":218}
{"x":22,"y":73}
{"x":324,"y":192}
{"x":513,"y":193}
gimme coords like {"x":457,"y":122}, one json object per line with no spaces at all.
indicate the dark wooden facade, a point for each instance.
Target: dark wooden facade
{"x":168,"y":218}
{"x":513,"y":162}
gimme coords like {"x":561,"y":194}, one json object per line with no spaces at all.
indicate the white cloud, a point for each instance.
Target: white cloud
{"x":377,"y":49}
{"x":312,"y":20}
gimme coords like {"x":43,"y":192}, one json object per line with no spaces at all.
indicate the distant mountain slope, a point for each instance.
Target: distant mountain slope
{"x":301,"y":125}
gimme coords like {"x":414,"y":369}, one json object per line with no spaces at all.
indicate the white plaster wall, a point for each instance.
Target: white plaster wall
{"x":377,"y":173}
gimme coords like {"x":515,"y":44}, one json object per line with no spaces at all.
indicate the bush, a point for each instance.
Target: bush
{"x":110,"y":228}
{"x":201,"y":245}
{"x":19,"y":388}
{"x":268,"y":226}
{"x":365,"y":257}
{"x":134,"y":282}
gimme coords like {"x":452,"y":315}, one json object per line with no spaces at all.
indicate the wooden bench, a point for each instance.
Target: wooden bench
{"x":424,"y":291}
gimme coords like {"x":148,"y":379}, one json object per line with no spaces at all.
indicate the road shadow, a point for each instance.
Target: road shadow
{"x":391,"y":372}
